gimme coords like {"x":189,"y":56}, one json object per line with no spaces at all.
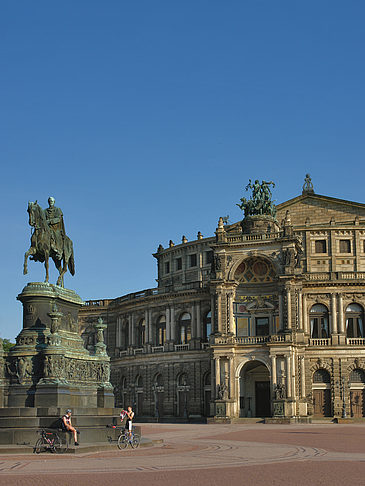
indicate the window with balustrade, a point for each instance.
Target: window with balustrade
{"x":355,"y":321}
{"x":161,"y":331}
{"x":185,"y":328}
{"x":319,"y":321}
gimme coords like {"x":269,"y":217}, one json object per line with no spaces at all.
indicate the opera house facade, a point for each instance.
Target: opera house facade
{"x":265,"y":318}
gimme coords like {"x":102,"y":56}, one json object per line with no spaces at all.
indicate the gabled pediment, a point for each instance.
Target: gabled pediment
{"x":314,"y":208}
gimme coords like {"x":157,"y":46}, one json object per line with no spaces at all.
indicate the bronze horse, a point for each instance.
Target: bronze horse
{"x":41,"y":245}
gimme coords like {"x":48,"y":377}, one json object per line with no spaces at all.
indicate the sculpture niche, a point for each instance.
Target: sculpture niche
{"x":49,"y":240}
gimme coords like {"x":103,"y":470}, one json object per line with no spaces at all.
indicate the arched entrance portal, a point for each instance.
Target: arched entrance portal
{"x":255,"y":390}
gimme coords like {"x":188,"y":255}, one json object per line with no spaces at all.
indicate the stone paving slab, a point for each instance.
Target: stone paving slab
{"x":254,"y":454}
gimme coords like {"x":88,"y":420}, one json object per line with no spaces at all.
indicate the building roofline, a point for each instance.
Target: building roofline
{"x":321,"y":198}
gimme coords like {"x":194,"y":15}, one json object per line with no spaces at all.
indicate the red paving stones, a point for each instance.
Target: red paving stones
{"x":338,"y":439}
{"x":257,"y":455}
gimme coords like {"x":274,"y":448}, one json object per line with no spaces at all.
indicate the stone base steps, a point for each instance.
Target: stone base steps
{"x":81,"y":449}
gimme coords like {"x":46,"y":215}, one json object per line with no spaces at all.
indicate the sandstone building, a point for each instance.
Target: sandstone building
{"x":266,"y":317}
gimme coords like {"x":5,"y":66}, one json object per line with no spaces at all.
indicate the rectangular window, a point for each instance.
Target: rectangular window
{"x":320,"y":246}
{"x":178,"y":263}
{"x":345,"y":246}
{"x":192,"y":260}
{"x":209,"y":257}
{"x":167,"y":267}
{"x":242,"y":326}
{"x":363,"y":244}
{"x":262,"y":326}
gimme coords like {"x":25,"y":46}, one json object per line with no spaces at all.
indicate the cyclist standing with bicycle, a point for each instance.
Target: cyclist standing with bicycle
{"x":66,"y":419}
{"x":128,"y":424}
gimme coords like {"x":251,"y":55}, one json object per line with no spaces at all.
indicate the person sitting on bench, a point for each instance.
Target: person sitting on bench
{"x":66,"y":419}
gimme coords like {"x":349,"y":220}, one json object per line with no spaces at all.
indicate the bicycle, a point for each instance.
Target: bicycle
{"x":50,"y":441}
{"x":131,"y":438}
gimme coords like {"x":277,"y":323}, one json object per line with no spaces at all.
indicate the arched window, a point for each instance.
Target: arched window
{"x":207,"y":331}
{"x":357,"y":376}
{"x":141,"y":330}
{"x":125,"y":335}
{"x":321,"y":376}
{"x":139,"y":381}
{"x":161,"y":331}
{"x":185,"y":328}
{"x":182,"y":380}
{"x":354,"y":321}
{"x":319,"y":321}
{"x":207,"y":379}
{"x":158,"y":381}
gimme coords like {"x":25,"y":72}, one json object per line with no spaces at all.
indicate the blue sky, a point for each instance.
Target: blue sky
{"x":146,"y":119}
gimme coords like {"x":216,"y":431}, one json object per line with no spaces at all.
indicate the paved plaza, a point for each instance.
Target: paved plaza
{"x":252,"y":454}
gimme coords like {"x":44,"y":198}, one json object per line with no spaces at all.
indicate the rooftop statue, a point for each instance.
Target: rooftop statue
{"x":49,"y":240}
{"x":308,"y":185}
{"x":260,"y":202}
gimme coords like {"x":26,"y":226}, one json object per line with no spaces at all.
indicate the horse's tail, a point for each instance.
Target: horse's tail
{"x":71,"y":263}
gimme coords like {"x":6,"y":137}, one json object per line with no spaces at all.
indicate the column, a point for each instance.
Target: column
{"x":212,"y":381}
{"x":288,"y":376}
{"x":288,"y":301}
{"x":300,"y":310}
{"x":193,"y":321}
{"x":231,"y":379}
{"x":340,"y":314}
{"x":293,"y":375}
{"x":281,"y":320}
{"x":147,"y":330}
{"x":231,"y":327}
{"x":173,"y":324}
{"x":198,"y":321}
{"x":133,"y":327}
{"x":130,"y":332}
{"x":334,"y":314}
{"x":273,"y":371}
{"x":168,"y":325}
{"x":305,"y":315}
{"x":219,"y":316}
{"x":118,"y":333}
{"x":150,"y":328}
{"x":212,"y":312}
{"x":217,"y":373}
{"x":302,"y":376}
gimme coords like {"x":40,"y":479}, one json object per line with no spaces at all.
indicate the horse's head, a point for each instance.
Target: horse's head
{"x":33,"y":211}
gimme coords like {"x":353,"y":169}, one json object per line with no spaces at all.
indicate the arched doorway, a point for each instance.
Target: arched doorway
{"x":321,"y":390}
{"x":158,"y":394}
{"x":139,"y":396}
{"x":255,"y":400}
{"x":207,"y":389}
{"x":357,"y":391}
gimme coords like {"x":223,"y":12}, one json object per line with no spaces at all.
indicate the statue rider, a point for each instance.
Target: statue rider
{"x":54,"y":219}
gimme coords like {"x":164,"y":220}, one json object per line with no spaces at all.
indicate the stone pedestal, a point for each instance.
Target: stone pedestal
{"x":49,"y":370}
{"x":260,"y":224}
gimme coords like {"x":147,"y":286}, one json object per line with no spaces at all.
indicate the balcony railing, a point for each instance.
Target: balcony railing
{"x":275,"y":338}
{"x":319,"y":342}
{"x":356,"y":341}
{"x":181,"y":347}
{"x":138,"y":351}
{"x":157,"y":349}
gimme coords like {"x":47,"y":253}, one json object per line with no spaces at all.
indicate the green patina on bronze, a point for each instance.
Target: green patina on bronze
{"x":260,"y":203}
{"x":49,"y":239}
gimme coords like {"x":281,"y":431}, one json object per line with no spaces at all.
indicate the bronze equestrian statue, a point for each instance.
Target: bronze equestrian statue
{"x":49,"y":240}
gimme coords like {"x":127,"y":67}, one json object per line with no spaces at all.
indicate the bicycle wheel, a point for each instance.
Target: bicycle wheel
{"x":39,"y":446}
{"x":57,"y":445}
{"x":122,"y":441}
{"x":135,"y":441}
